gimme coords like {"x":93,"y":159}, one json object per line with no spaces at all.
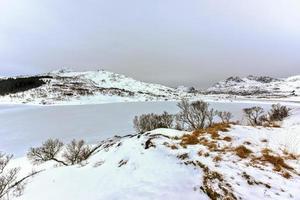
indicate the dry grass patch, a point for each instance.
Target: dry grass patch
{"x":218,"y":158}
{"x":189,"y":139}
{"x":215,"y":186}
{"x":266,"y":151}
{"x":171,"y":146}
{"x":242,"y":151}
{"x":286,"y":175}
{"x":276,"y":161}
{"x":227,"y":139}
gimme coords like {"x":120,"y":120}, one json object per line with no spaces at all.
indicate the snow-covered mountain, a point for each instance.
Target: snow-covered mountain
{"x":70,"y":87}
{"x":259,"y":86}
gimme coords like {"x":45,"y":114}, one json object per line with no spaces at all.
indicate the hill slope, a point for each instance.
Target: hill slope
{"x":68,"y":87}
{"x":258,"y":86}
{"x":240,"y":163}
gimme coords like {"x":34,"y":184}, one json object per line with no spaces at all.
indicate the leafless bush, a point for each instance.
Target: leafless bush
{"x":9,"y":182}
{"x":278,"y":112}
{"x":225,"y":116}
{"x":192,"y":115}
{"x":148,"y":122}
{"x":76,"y":152}
{"x":253,"y":115}
{"x":48,"y":151}
{"x":210,"y":116}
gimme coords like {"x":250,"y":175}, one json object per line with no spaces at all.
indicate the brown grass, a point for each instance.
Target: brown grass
{"x":276,"y":161}
{"x":189,"y":139}
{"x":173,"y":147}
{"x":286,"y":175}
{"x":227,"y":139}
{"x":266,"y":151}
{"x":242,"y":151}
{"x":218,"y":158}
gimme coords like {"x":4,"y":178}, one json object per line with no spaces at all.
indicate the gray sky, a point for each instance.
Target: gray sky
{"x":174,"y":42}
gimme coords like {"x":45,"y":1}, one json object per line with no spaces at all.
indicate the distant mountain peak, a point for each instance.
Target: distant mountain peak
{"x":258,"y":86}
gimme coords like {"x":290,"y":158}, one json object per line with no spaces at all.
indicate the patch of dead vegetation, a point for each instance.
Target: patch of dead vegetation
{"x":171,"y":146}
{"x":277,"y":161}
{"x":190,"y":139}
{"x":227,"y":139}
{"x":214,"y":185}
{"x":251,"y":181}
{"x":242,"y":151}
{"x":217,"y":158}
{"x":183,"y":156}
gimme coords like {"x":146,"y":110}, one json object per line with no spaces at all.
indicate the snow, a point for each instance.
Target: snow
{"x":123,"y":168}
{"x":126,"y":170}
{"x":272,"y":88}
{"x":68,"y":87}
{"x":24,"y":126}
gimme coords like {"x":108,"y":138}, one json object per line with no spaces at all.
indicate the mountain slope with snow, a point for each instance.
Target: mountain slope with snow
{"x":69,"y":87}
{"x":259,"y":86}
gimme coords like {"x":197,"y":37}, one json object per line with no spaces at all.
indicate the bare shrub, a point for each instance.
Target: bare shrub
{"x":148,"y":122}
{"x":225,"y":116}
{"x":9,"y":182}
{"x":193,"y":115}
{"x":253,"y":115}
{"x":210,"y":114}
{"x":278,"y":112}
{"x":48,"y":151}
{"x":76,"y":152}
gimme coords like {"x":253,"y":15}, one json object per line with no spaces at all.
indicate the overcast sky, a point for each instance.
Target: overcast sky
{"x":174,"y":42}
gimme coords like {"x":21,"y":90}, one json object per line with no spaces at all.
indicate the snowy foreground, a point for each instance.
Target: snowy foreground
{"x":161,"y":164}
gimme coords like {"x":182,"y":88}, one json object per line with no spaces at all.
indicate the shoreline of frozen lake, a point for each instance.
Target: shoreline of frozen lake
{"x":23,"y":126}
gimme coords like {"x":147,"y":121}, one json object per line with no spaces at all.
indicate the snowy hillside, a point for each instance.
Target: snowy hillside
{"x":238,"y":162}
{"x":68,"y":87}
{"x":259,"y":86}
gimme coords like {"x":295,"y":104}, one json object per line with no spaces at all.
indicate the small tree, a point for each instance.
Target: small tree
{"x":9,"y":182}
{"x":193,"y":115}
{"x":148,"y":122}
{"x":48,"y":151}
{"x":278,"y":112}
{"x":253,"y":115}
{"x":76,"y":152}
{"x":225,"y":116}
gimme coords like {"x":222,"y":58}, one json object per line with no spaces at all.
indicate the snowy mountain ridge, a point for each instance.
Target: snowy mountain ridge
{"x":259,"y":86}
{"x":68,"y":87}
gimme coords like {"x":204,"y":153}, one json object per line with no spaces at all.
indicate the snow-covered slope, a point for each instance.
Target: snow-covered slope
{"x":69,"y":87}
{"x":259,"y":86}
{"x":161,"y":164}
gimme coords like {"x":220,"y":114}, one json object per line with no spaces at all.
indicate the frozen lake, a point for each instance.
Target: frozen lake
{"x":23,"y":126}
